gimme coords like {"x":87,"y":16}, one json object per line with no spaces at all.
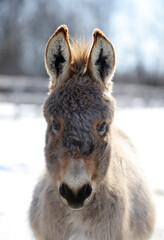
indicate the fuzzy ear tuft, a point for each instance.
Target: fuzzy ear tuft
{"x":58,"y":56}
{"x":102,"y":62}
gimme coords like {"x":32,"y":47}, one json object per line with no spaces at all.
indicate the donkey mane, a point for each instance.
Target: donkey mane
{"x":80,"y":53}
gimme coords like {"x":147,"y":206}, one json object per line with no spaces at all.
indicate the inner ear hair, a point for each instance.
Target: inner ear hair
{"x":58,"y":56}
{"x":101,"y":62}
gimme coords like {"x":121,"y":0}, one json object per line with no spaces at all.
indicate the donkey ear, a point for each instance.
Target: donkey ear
{"x":101,"y":63}
{"x":58,"y":56}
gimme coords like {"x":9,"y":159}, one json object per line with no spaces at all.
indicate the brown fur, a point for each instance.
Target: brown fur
{"x":80,"y":53}
{"x":104,"y":195}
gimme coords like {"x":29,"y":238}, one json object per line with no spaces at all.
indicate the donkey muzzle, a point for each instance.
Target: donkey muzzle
{"x":75,"y":187}
{"x":76,"y":198}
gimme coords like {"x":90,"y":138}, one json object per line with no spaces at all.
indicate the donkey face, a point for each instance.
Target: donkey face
{"x":79,"y":113}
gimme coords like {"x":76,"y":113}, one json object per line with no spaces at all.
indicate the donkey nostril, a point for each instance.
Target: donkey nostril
{"x":61,"y":190}
{"x":85,"y":191}
{"x":64,"y":190}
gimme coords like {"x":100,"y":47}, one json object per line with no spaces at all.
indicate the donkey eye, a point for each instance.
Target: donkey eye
{"x":55,"y":126}
{"x":101,"y":128}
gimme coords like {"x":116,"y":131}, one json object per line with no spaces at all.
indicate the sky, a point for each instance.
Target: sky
{"x":138,"y":32}
{"x":135,"y":27}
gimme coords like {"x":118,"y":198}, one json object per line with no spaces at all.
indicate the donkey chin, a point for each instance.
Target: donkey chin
{"x":76,"y":189}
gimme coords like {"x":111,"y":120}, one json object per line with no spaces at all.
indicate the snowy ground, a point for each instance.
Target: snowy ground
{"x":22,"y":130}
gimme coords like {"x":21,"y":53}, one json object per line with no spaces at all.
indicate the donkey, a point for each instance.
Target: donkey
{"x":92,"y":188}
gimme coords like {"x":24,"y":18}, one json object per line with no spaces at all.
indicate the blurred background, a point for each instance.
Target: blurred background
{"x":136,"y":29}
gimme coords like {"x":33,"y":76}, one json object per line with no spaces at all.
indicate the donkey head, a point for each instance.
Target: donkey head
{"x":79,"y":111}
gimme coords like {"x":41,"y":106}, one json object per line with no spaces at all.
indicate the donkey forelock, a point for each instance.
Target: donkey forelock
{"x":80,"y":54}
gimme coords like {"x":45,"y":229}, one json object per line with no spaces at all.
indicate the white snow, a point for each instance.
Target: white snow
{"x":22,"y":131}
